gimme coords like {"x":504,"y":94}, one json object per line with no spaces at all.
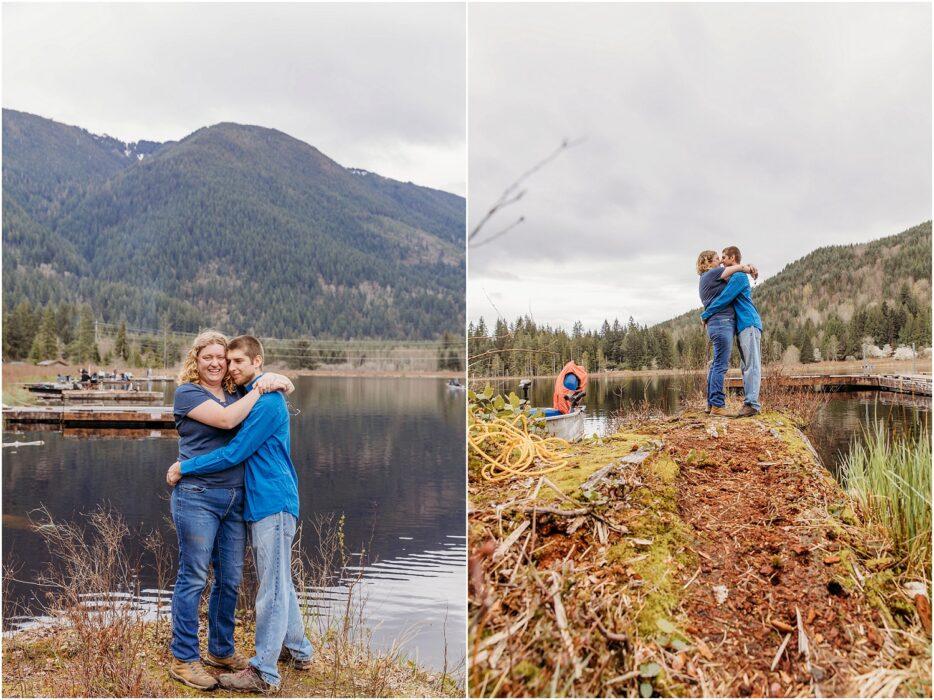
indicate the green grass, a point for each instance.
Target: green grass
{"x":890,"y":478}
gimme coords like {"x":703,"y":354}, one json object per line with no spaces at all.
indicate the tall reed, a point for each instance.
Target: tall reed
{"x":890,"y":478}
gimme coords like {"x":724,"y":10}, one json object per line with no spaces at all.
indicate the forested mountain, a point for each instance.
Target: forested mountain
{"x":238,"y":226}
{"x":825,"y":305}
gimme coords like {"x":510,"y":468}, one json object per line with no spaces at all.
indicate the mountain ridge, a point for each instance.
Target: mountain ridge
{"x":306,"y":246}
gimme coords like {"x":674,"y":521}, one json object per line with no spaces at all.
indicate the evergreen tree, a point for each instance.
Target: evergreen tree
{"x":35,"y":352}
{"x":65,"y":317}
{"x":121,"y":347}
{"x":302,"y":355}
{"x":85,"y":342}
{"x":20,"y":328}
{"x":807,"y":349}
{"x":47,"y":332}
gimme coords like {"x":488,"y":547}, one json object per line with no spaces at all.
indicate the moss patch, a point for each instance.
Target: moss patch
{"x":657,"y":564}
{"x":590,"y":456}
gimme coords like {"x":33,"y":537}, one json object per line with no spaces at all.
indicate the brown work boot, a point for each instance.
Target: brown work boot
{"x":720,"y":411}
{"x":707,"y":410}
{"x":193,"y":674}
{"x":285,"y":657}
{"x":234,"y":662}
{"x":246,"y":681}
{"x":747,"y":411}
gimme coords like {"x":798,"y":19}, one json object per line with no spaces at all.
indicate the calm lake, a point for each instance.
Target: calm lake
{"x":386,"y":453}
{"x":840,"y":421}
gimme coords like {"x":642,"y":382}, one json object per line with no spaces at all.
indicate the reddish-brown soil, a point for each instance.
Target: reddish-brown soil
{"x":748,"y":504}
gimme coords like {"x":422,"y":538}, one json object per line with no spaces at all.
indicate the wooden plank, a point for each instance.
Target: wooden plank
{"x":905,"y":384}
{"x":109,"y":395}
{"x":74,"y":414}
{"x":88,"y":416}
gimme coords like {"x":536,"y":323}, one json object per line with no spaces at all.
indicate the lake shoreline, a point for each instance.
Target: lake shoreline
{"x":878,"y":366}
{"x":17,"y":374}
{"x":35,"y":661}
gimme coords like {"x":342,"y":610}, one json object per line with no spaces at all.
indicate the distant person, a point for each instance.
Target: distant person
{"x":720,"y":326}
{"x":272,"y":511}
{"x":736,"y":296}
{"x":207,"y":509}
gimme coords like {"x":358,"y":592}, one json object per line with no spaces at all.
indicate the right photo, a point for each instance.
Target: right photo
{"x":699,"y":350}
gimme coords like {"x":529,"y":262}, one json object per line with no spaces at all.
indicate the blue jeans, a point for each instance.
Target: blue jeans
{"x":211,"y":530}
{"x":750,"y":350}
{"x":720,"y":331}
{"x":278,"y":618}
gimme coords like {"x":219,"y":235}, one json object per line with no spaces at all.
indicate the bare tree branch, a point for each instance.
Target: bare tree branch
{"x":513,"y":194}
{"x":500,"y":233}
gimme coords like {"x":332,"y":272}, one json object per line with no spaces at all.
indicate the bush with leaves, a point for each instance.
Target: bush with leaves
{"x":486,"y":406}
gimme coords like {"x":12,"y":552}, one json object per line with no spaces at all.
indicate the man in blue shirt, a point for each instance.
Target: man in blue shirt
{"x":736,"y":296}
{"x":271,"y":509}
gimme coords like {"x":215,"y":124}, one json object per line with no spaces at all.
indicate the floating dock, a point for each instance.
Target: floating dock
{"x":100,"y":395}
{"x":913,"y":384}
{"x":59,"y":417}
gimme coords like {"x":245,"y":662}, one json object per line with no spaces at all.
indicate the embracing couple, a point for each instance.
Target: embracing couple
{"x":234,"y":473}
{"x":728,"y":311}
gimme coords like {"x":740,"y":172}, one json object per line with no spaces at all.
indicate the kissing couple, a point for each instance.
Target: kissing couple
{"x":726,"y":293}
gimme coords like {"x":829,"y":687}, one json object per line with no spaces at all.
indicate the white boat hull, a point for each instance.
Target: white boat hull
{"x":569,"y":426}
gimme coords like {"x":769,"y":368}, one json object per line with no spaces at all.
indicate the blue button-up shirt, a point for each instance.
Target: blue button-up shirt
{"x":270,"y":481}
{"x":737,"y":292}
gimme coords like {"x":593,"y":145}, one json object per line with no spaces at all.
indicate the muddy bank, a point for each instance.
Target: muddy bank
{"x":690,"y":556}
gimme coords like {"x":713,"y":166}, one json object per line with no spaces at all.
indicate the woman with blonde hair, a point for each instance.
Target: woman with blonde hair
{"x":207,"y":509}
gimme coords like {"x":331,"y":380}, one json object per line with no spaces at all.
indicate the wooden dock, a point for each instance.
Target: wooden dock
{"x":101,"y":395}
{"x":913,"y":384}
{"x":60,"y":417}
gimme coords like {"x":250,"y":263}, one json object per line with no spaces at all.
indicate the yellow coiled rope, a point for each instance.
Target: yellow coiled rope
{"x":508,"y":448}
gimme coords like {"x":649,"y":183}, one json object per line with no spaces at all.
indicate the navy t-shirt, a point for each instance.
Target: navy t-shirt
{"x":195,"y":438}
{"x":710,"y":287}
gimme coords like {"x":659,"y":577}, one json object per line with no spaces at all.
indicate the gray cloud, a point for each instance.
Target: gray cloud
{"x":376,"y":86}
{"x":777,"y":128}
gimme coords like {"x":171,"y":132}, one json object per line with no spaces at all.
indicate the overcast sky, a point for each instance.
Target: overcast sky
{"x":380,"y":87}
{"x":777,"y":128}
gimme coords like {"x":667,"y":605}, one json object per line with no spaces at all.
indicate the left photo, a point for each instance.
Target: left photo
{"x":233,"y":350}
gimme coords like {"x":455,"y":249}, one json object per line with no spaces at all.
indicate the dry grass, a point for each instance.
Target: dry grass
{"x":801,"y":404}
{"x":91,"y":593}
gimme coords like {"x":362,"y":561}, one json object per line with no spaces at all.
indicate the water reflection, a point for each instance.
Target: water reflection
{"x":387,"y":453}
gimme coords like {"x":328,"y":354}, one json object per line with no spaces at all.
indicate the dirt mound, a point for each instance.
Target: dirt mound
{"x":766,"y":558}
